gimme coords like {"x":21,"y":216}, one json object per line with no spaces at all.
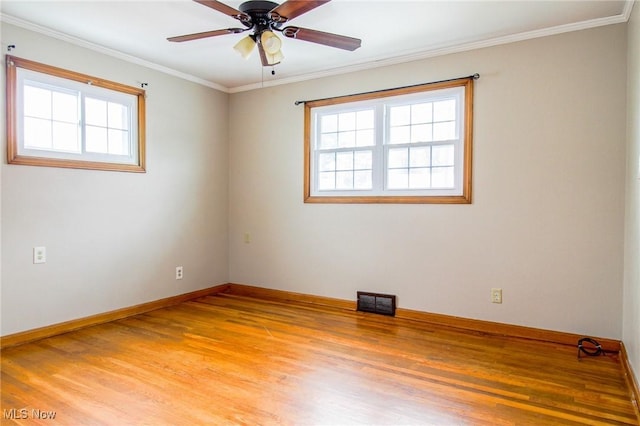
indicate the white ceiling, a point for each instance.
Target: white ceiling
{"x":391,"y":31}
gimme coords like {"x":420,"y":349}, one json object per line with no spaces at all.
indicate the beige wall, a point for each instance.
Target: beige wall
{"x":631,"y":310}
{"x":546,"y":223}
{"x":114,"y":239}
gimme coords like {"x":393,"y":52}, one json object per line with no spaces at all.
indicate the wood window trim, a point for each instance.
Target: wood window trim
{"x":464,"y":198}
{"x":12,"y":63}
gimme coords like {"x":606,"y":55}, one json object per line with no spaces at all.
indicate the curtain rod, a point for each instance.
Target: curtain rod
{"x":474,"y":76}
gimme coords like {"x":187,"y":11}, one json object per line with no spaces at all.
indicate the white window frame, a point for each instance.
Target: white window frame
{"x":460,"y":89}
{"x":21,"y":73}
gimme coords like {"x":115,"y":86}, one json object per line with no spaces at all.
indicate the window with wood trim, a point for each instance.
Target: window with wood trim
{"x":60,"y":118}
{"x":405,"y":145}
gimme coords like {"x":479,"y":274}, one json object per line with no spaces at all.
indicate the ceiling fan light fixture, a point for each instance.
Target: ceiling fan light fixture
{"x":245,"y":46}
{"x":275,"y":58}
{"x":270,"y":42}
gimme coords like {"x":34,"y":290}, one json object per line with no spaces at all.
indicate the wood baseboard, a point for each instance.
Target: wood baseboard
{"x":64,"y":327}
{"x":475,"y":325}
{"x":481,"y":326}
{"x":502,"y":329}
{"x":289,"y":296}
{"x":631,"y":379}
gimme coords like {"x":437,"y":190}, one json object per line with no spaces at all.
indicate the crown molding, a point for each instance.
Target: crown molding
{"x":628,"y":8}
{"x":447,"y":50}
{"x":107,"y":51}
{"x":371,"y":63}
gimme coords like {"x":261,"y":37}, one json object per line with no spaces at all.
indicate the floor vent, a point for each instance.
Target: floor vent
{"x":384,"y":304}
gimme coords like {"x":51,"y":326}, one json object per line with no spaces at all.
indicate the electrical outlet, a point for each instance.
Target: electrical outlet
{"x":496,"y":295}
{"x":39,"y":255}
{"x":247,"y":238}
{"x":179,"y":272}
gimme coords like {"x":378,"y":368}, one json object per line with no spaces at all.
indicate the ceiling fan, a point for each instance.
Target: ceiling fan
{"x":265,"y":17}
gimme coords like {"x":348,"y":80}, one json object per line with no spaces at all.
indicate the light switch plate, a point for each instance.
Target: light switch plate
{"x":39,"y":255}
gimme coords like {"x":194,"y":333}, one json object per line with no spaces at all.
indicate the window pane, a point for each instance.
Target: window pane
{"x":444,"y":131}
{"x":95,"y":112}
{"x":65,"y":107}
{"x":419,"y":156}
{"x":326,"y":181}
{"x":344,"y":180}
{"x":396,"y":146}
{"x":363,"y":160}
{"x":327,"y":162}
{"x":419,"y":178}
{"x":365,"y":138}
{"x":398,"y":179}
{"x":37,"y":133}
{"x":329,"y":123}
{"x":37,"y":102}
{"x":329,"y":140}
{"x":421,"y":113}
{"x":442,"y":177}
{"x":362,"y":180}
{"x":444,"y":110}
{"x":344,"y":160}
{"x":400,"y":135}
{"x":96,"y":140}
{"x":421,"y":133}
{"x":398,"y":157}
{"x":399,"y":116}
{"x":54,"y":111}
{"x":442,"y":155}
{"x":365,"y":119}
{"x":346,"y":139}
{"x":347,"y":121}
{"x":65,"y":137}
{"x":118,"y":116}
{"x":118,"y":142}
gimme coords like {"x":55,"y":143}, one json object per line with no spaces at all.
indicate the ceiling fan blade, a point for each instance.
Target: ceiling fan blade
{"x":263,"y":55}
{"x":292,"y":8}
{"x":227,"y":10}
{"x":269,"y":59}
{"x":206,"y":34}
{"x":320,"y":37}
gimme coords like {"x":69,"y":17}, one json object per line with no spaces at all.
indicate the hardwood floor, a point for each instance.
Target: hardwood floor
{"x":229,"y":359}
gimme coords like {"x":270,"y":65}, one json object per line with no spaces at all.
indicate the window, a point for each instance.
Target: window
{"x":407,"y":145}
{"x":60,"y":118}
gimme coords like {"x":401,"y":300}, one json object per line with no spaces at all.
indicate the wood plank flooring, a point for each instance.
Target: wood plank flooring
{"x":229,"y":359}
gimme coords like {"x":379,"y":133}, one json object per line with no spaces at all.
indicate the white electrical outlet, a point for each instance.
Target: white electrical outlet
{"x":496,"y":295}
{"x":39,"y":255}
{"x":179,"y":272}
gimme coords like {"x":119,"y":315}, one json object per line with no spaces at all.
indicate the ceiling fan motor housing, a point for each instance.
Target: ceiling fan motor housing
{"x":257,"y":5}
{"x":260,"y":17}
